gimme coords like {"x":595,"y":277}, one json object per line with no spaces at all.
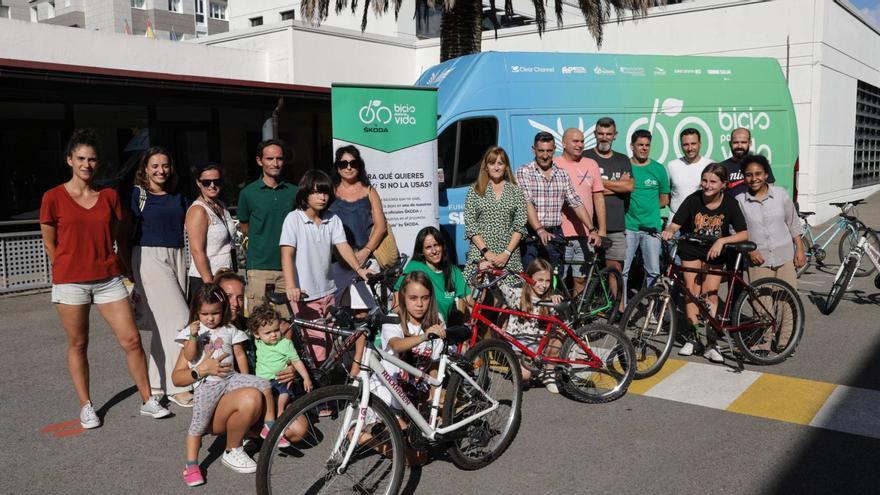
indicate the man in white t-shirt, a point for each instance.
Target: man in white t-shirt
{"x":685,"y":172}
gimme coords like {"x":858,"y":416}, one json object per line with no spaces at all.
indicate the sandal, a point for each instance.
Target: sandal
{"x":182,"y":399}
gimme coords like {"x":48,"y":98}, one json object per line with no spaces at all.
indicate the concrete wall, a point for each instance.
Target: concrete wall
{"x":344,"y":56}
{"x":87,"y":48}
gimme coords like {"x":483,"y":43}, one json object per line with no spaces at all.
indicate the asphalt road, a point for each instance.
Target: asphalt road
{"x":638,"y":444}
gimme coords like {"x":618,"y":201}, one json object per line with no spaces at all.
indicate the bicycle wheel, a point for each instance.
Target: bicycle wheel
{"x":311,"y":464}
{"x":778,"y":307}
{"x":651,"y":325}
{"x":599,"y":302}
{"x":494,"y":367}
{"x":607,"y":382}
{"x":850,"y":240}
{"x":844,"y":276}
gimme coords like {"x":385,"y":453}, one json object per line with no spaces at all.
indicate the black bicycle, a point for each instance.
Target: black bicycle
{"x":340,"y":357}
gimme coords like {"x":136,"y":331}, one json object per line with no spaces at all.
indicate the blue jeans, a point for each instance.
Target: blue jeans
{"x":650,"y":246}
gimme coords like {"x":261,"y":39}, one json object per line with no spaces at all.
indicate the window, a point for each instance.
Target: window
{"x":866,"y":159}
{"x":138,"y":4}
{"x":461,"y":146}
{"x":200,"y":11}
{"x":288,"y":15}
{"x":256,"y":21}
{"x":175,"y":6}
{"x":218,"y":11}
{"x":50,"y":10}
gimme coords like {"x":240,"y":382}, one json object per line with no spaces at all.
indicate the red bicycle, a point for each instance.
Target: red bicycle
{"x":596,"y":363}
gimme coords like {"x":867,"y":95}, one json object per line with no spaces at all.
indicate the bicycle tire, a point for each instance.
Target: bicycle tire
{"x":494,"y":366}
{"x":848,"y":242}
{"x":787,"y":307}
{"x":841,"y":282}
{"x":605,"y":384}
{"x":598,"y":295}
{"x":651,"y":324}
{"x":282,"y":471}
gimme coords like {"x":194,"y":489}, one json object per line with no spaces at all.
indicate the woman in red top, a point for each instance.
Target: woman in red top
{"x":78,"y":224}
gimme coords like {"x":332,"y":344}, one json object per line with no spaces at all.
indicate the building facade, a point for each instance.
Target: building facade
{"x":829,"y":51}
{"x":167,"y":19}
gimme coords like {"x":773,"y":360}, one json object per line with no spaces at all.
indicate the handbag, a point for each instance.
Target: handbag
{"x":386,"y":254}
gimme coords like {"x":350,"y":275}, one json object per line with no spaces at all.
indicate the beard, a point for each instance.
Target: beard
{"x":739,"y":153}
{"x":603,"y":147}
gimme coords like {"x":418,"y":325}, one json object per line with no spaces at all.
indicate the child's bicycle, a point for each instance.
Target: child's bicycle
{"x":335,"y":368}
{"x":596,"y":362}
{"x":766,"y":318}
{"x":596,"y":301}
{"x":474,"y":410}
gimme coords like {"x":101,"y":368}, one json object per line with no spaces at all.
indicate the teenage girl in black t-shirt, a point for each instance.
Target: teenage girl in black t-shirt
{"x":708,"y":212}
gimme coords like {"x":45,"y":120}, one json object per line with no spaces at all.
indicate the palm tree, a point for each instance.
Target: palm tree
{"x":461,"y":21}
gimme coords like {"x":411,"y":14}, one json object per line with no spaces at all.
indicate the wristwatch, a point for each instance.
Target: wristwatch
{"x":195,"y":374}
{"x":484,"y":250}
{"x":594,"y":230}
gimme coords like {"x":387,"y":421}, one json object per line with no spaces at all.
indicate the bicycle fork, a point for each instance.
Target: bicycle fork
{"x":348,"y":420}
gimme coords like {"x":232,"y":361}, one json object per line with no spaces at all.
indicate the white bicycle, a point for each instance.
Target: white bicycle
{"x":346,"y":439}
{"x":851,"y":262}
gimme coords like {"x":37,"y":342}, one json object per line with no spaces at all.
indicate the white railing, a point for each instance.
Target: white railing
{"x":23,"y":262}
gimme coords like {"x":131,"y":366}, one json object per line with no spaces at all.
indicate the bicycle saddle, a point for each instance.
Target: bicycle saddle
{"x":743,"y":247}
{"x":805,"y":214}
{"x":278,"y":298}
{"x":550,"y":304}
{"x":854,"y":202}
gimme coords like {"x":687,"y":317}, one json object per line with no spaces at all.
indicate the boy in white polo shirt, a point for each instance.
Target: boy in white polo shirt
{"x":307,"y":237}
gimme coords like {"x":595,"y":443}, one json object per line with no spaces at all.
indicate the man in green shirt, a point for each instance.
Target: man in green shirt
{"x":651,"y":193}
{"x":262,"y":207}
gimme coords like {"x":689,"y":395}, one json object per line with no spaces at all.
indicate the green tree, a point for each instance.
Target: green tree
{"x":461,"y":20}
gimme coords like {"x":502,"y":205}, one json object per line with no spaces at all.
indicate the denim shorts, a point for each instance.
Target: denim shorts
{"x":574,"y":252}
{"x":95,"y":292}
{"x":280,"y":389}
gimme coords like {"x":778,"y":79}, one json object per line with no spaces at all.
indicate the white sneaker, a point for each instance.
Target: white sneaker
{"x":687,"y":349}
{"x":153,"y":409}
{"x":713,"y":355}
{"x":238,"y":461}
{"x":88,"y":418}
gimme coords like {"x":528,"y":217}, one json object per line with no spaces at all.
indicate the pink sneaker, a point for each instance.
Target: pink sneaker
{"x":282,"y":443}
{"x":192,"y":476}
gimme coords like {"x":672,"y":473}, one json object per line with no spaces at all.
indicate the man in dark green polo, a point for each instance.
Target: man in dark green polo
{"x":262,"y":206}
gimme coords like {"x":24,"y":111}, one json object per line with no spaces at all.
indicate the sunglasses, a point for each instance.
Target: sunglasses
{"x":344,"y":164}
{"x":208,"y":182}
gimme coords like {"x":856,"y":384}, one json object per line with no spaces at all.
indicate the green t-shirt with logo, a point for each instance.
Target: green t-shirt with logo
{"x":651,"y":181}
{"x":445,"y":299}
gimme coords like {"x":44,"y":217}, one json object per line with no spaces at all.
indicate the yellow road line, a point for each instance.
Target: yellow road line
{"x":784,"y":398}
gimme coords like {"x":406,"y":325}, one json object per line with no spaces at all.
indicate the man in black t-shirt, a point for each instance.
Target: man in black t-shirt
{"x":617,"y":180}
{"x":740,"y":142}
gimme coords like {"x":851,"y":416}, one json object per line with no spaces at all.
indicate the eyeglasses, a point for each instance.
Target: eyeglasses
{"x":208,"y":182}
{"x":344,"y":164}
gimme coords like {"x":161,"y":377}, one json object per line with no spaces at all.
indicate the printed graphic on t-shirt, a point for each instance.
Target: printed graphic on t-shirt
{"x":651,"y":182}
{"x":614,"y":175}
{"x":708,"y":225}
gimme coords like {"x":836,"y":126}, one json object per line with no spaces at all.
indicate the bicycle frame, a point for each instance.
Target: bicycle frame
{"x":550,"y":321}
{"x":429,"y":429}
{"x":838,"y":226}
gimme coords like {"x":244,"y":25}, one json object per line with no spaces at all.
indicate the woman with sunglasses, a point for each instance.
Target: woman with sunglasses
{"x":210,"y":229}
{"x":158,"y":263}
{"x":359,"y":207}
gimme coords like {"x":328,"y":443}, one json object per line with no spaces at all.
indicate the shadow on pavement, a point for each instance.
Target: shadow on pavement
{"x":116,"y":399}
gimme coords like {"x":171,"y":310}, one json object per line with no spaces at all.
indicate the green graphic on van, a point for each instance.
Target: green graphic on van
{"x":385,"y":119}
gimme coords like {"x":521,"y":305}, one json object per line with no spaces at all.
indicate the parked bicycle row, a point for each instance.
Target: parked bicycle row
{"x":552,"y":248}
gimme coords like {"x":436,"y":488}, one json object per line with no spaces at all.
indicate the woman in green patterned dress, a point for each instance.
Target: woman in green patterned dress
{"x":495,"y":215}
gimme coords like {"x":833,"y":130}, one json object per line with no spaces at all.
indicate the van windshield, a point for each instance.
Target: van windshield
{"x":461,"y":146}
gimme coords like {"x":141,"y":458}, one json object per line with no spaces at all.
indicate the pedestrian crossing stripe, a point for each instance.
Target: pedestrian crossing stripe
{"x":782,"y":398}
